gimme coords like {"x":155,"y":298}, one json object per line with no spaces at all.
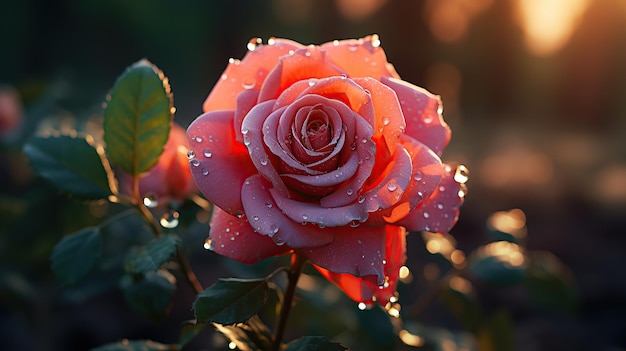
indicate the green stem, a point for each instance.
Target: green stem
{"x":143,"y":210}
{"x":297,"y":264}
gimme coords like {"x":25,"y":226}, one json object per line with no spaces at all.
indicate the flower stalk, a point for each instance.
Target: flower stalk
{"x":297,"y":265}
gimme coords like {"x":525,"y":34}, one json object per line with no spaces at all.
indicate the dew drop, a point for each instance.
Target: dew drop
{"x":263,"y":161}
{"x":239,"y":214}
{"x":375,"y":40}
{"x":256,"y":218}
{"x":305,"y":217}
{"x":426,"y":215}
{"x":169,"y":220}
{"x":271,"y":41}
{"x":194,"y":162}
{"x":244,"y":131}
{"x":312,"y":82}
{"x":461,"y":175}
{"x":392,"y":186}
{"x":224,"y":76}
{"x":361,"y":199}
{"x":352,"y":48}
{"x":417,"y":176}
{"x":253,"y":43}
{"x":207,"y":153}
{"x":268,"y":204}
{"x":191,"y":154}
{"x":349,"y":192}
{"x":274,"y":229}
{"x":234,"y":61}
{"x":428,"y":119}
{"x":336,"y":42}
{"x":442,"y":188}
{"x":380,"y":129}
{"x":204,"y":171}
{"x":248,"y":83}
{"x":198,"y":139}
{"x":228,"y":229}
{"x":208,"y":244}
{"x":279,"y":242}
{"x":151,"y":200}
{"x":386,"y":121}
{"x":362,"y":306}
{"x":440,"y":206}
{"x":354,"y":224}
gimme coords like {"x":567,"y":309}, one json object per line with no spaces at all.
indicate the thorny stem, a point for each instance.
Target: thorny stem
{"x":297,"y":264}
{"x":189,"y":273}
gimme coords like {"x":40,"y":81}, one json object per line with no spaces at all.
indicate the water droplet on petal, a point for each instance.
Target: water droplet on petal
{"x":198,"y":139}
{"x":461,"y":175}
{"x":417,"y":176}
{"x":204,"y":171}
{"x":151,"y":200}
{"x":440,"y":206}
{"x":263,"y":161}
{"x":336,"y":42}
{"x":442,"y":188}
{"x":428,"y":119}
{"x":305,"y":217}
{"x":248,"y":83}
{"x":354,"y":224}
{"x":208,"y":244}
{"x":268,"y":204}
{"x":191,"y":154}
{"x":349,"y":192}
{"x":312,"y":82}
{"x":392,"y":186}
{"x":352,"y":48}
{"x":386,"y":121}
{"x":256,"y":218}
{"x":207,"y":153}
{"x":224,"y":76}
{"x":169,"y":220}
{"x":361,"y":199}
{"x":426,"y":215}
{"x":194,"y":162}
{"x":375,"y":40}
{"x":253,"y":43}
{"x":279,"y":242}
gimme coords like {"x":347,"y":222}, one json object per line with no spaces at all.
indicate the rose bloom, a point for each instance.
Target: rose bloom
{"x":325,"y":152}
{"x":170,"y":179}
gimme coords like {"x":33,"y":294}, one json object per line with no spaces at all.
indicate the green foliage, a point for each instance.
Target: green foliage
{"x":75,"y":254}
{"x":190,"y":330}
{"x":137,"y":118}
{"x":71,"y":164}
{"x":151,"y":293}
{"x":250,"y":336}
{"x":231,"y":301}
{"x":312,"y":343}
{"x":550,"y":283}
{"x":136,"y":345}
{"x":499,"y":263}
{"x":151,"y":256}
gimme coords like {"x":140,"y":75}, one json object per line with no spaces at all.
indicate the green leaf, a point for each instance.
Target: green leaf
{"x":137,"y":118}
{"x":497,"y":334}
{"x":499,"y":263}
{"x":150,"y":294}
{"x":75,"y":254}
{"x":135,"y":345}
{"x":71,"y":164}
{"x":312,"y":343}
{"x":231,"y":301}
{"x":461,"y":300}
{"x":151,"y":256}
{"x":250,"y":336}
{"x":550,"y":283}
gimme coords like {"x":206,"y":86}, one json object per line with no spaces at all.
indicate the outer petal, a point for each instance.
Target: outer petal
{"x":220,"y":165}
{"x":234,"y":237}
{"x":305,"y":63}
{"x":360,"y":58}
{"x":366,"y":288}
{"x":245,"y":102}
{"x":422,"y":112}
{"x":248,"y":73}
{"x":357,"y":251}
{"x":427,"y":173}
{"x":440,"y":211}
{"x":267,"y":219}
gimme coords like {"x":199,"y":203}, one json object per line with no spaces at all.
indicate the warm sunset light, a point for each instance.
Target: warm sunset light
{"x":549,"y":24}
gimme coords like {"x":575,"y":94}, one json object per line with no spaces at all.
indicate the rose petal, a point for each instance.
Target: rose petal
{"x":360,"y":58}
{"x":395,"y":179}
{"x":366,"y":289}
{"x":219,"y":159}
{"x":305,"y":63}
{"x":267,"y":219}
{"x":253,"y":139}
{"x":245,"y":102}
{"x":357,"y":251}
{"x":312,"y":212}
{"x":234,"y":237}
{"x":249,"y":73}
{"x":422,"y":112}
{"x":427,"y":173}
{"x":389,"y":123}
{"x":439,"y":212}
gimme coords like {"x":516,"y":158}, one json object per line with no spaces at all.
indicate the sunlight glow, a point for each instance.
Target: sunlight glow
{"x":512,"y":222}
{"x":411,"y":339}
{"x":549,"y":24}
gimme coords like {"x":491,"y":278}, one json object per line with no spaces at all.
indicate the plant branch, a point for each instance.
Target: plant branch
{"x":297,"y":264}
{"x":143,"y":210}
{"x":190,"y":275}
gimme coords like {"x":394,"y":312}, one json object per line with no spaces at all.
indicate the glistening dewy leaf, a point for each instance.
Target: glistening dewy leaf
{"x":231,"y":301}
{"x":71,"y":164}
{"x":151,"y":256}
{"x":137,"y":118}
{"x":75,"y":254}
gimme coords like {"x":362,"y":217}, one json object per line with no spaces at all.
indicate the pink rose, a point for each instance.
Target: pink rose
{"x":323,"y":151}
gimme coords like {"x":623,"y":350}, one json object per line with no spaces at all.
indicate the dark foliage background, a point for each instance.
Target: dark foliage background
{"x":544,"y":133}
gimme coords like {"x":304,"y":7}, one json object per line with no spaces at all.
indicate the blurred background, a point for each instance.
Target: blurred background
{"x":534,"y":91}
